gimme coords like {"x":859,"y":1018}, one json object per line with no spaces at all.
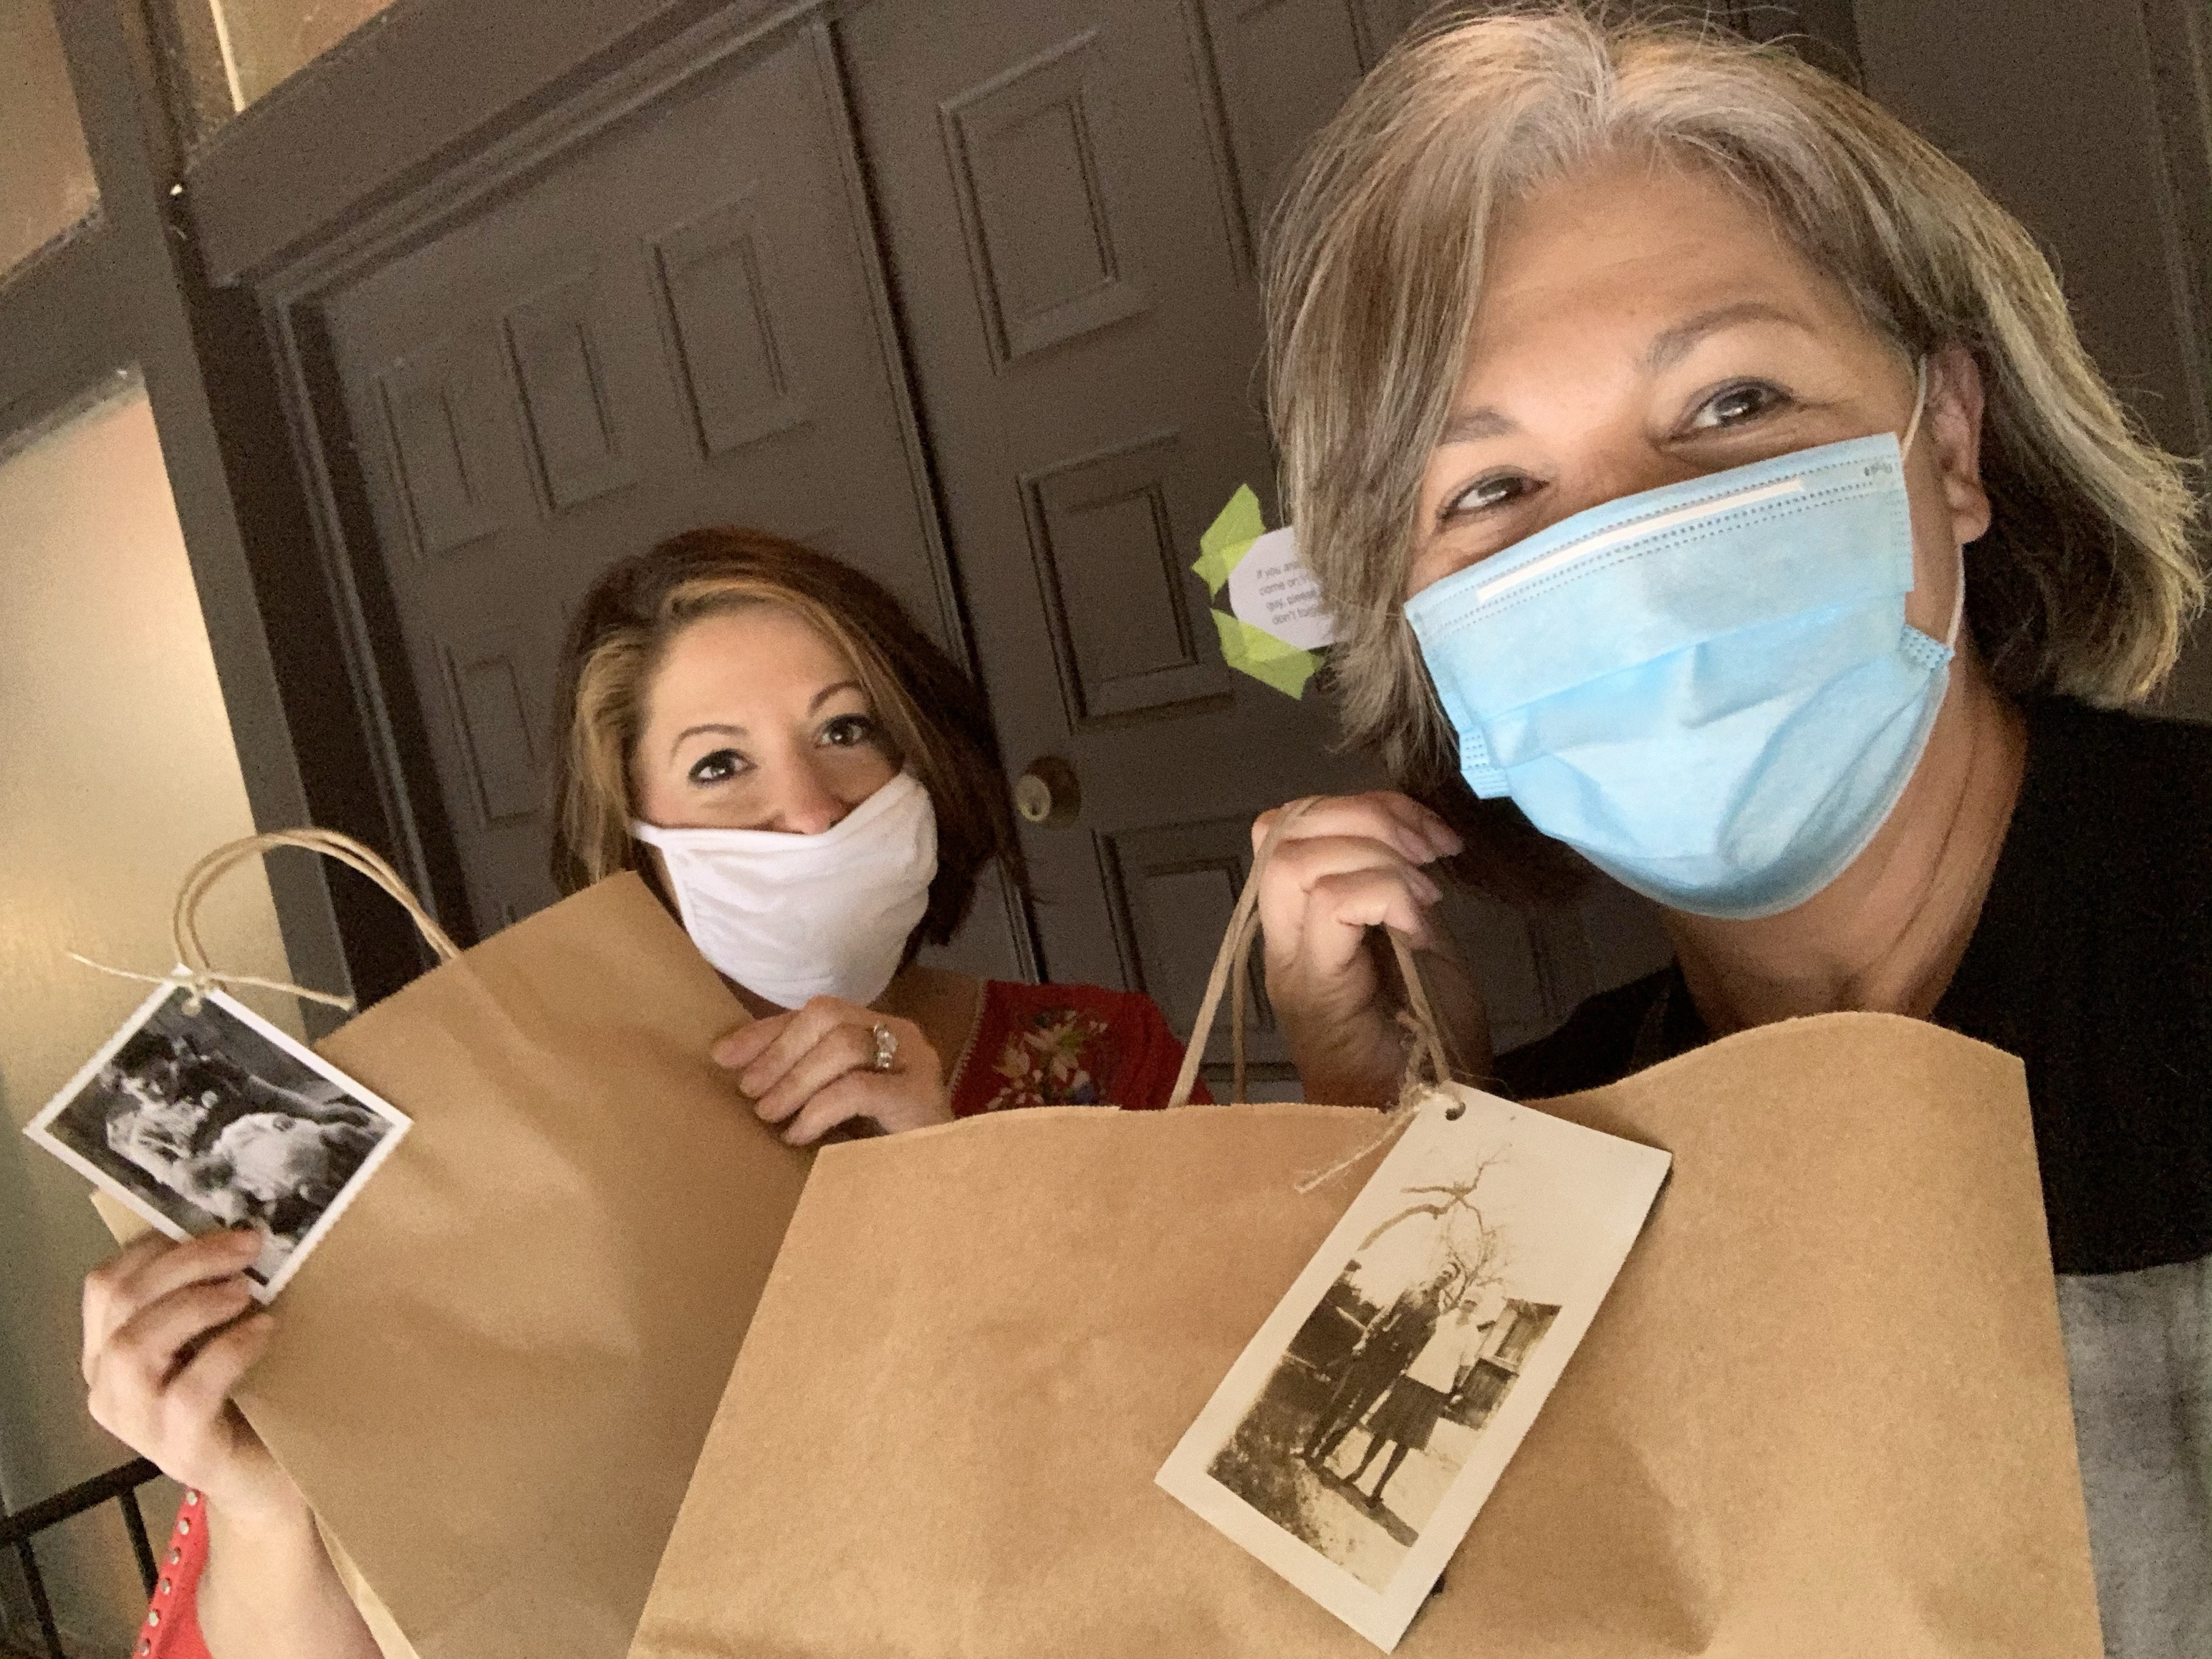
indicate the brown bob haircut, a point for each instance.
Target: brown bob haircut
{"x":935,"y":717}
{"x":2090,"y":573}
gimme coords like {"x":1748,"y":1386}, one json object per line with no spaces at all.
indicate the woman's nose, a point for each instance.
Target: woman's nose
{"x":807,"y":805}
{"x":1629,"y":471}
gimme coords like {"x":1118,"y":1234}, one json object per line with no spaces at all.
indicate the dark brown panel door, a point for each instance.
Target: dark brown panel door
{"x":1068,"y":191}
{"x":677,"y":322}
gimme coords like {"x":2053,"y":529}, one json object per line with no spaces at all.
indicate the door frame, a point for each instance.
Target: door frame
{"x":123,"y":297}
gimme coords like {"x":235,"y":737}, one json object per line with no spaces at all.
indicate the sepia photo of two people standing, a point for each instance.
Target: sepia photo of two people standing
{"x":1405,"y":1371}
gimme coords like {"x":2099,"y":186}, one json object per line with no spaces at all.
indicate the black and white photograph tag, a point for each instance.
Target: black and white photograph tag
{"x":199,"y":1114}
{"x":1358,"y":1435}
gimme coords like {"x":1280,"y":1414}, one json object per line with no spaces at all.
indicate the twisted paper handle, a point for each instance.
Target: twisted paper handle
{"x":1419,"y":1018}
{"x":199,"y":975}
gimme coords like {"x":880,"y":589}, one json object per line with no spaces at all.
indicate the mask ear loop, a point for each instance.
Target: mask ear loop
{"x":1912,"y":431}
{"x":1919,"y":404}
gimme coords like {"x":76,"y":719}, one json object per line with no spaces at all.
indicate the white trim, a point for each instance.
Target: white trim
{"x":1606,"y":538}
{"x":230,"y":76}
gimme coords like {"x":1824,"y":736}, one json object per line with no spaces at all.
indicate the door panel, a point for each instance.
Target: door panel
{"x":722,"y":327}
{"x":1282,"y":67}
{"x":676,"y":323}
{"x":1065,"y":198}
{"x":1030,"y":151}
{"x":1175,"y":885}
{"x":1117,"y":595}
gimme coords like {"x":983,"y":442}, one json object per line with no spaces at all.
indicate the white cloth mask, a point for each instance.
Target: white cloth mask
{"x":792,"y":917}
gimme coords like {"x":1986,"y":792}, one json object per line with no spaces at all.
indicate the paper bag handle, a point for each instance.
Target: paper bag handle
{"x":1236,"y":951}
{"x":184,"y":921}
{"x":200,"y":974}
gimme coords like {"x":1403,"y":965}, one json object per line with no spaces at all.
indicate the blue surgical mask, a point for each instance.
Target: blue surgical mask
{"x":1709,"y":690}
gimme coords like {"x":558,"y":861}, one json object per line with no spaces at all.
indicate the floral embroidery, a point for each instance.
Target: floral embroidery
{"x":1044,"y":1062}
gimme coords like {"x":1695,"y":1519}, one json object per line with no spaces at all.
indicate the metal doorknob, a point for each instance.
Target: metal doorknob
{"x":1047,"y":793}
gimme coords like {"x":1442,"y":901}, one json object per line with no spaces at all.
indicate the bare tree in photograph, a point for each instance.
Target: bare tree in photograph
{"x":1472,"y":1249}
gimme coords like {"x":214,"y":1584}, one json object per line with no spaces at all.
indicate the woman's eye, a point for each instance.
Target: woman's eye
{"x":848,"y":731}
{"x":1732,"y":405}
{"x":1495,"y":491}
{"x":718,"y":768}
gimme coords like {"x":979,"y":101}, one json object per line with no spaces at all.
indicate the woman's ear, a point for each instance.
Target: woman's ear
{"x":1953,"y":422}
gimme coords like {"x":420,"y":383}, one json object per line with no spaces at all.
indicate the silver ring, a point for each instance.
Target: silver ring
{"x":886,"y":1048}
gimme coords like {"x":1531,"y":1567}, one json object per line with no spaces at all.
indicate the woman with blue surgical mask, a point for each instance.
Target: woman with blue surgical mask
{"x":1711,"y":491}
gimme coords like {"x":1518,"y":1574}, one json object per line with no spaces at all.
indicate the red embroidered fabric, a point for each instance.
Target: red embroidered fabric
{"x":1067,"y":1045}
{"x":172,"y":1630}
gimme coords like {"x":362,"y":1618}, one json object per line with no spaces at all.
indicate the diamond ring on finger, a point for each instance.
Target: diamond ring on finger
{"x":885,"y":1050}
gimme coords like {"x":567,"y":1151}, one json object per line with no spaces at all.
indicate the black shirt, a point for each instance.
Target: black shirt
{"x":2091,"y":961}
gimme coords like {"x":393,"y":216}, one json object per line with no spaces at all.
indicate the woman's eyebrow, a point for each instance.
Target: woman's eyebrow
{"x":722,"y":729}
{"x":692,"y":731}
{"x":1670,"y":345}
{"x":1471,"y":424}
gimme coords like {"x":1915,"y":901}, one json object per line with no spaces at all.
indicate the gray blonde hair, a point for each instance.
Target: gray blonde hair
{"x":2088,"y":574}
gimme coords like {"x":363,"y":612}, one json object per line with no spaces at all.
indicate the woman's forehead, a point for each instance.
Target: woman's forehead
{"x":1617,"y":254}
{"x":756,"y":652}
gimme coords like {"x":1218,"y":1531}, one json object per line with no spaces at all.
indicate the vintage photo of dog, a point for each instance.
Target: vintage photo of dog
{"x":1354,"y":1440}
{"x":200,"y":1118}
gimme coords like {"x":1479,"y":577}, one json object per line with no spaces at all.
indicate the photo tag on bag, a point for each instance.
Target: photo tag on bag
{"x":199,"y":1121}
{"x":1357,"y":1435}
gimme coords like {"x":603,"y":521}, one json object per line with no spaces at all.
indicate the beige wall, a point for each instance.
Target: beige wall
{"x":45,"y":177}
{"x":118,"y":770}
{"x":264,"y":42}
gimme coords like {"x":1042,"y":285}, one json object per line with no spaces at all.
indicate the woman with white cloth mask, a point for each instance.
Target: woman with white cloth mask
{"x":1711,"y":488}
{"x":816,"y":789}
{"x":819,"y":790}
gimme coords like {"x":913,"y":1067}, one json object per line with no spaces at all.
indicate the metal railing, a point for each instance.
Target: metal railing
{"x":118,"y":1485}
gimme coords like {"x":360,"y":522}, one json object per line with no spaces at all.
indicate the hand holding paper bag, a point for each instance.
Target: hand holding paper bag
{"x":160,"y":1386}
{"x":493,"y":1379}
{"x":832,"y":1063}
{"x":1824,"y":1410}
{"x":1343,"y":868}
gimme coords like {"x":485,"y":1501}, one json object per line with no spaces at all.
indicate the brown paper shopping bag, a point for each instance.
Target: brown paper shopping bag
{"x":492,"y":1379}
{"x":1823,"y":1410}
